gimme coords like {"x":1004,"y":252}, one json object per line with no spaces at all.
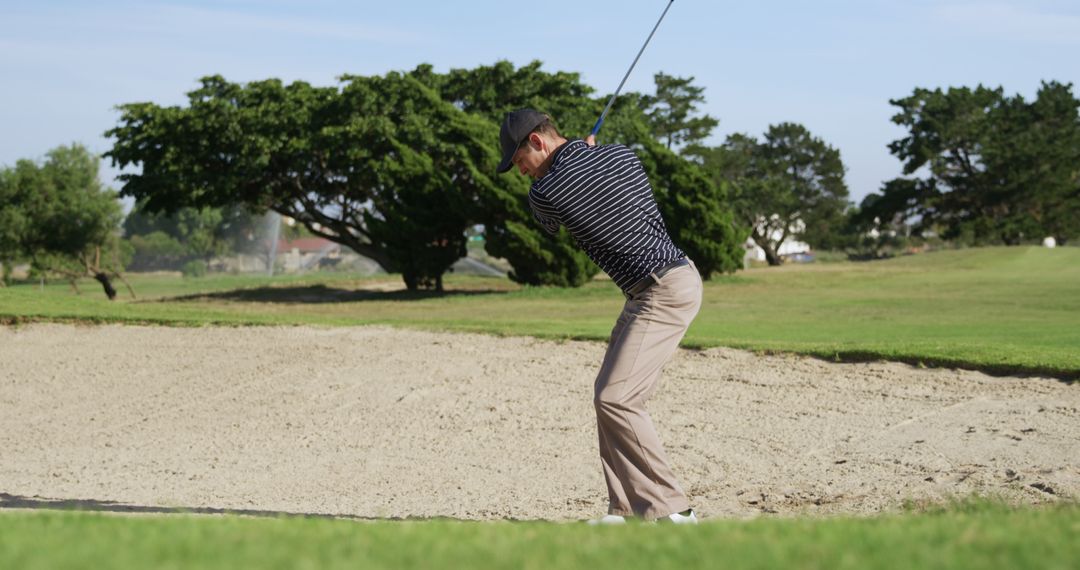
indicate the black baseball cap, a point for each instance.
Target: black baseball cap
{"x":515,"y":129}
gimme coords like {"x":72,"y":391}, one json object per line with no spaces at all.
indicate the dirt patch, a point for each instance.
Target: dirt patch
{"x":380,"y":422}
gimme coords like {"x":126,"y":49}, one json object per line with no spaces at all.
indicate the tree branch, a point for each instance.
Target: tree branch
{"x":117,"y":275}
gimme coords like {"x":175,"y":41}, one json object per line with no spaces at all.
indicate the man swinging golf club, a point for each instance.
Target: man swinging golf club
{"x":603,"y":197}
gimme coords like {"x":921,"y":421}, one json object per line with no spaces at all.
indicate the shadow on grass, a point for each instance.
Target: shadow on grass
{"x":316,"y":294}
{"x":91,"y":505}
{"x":1066,"y":376}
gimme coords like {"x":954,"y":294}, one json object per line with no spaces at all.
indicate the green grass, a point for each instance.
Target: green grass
{"x":971,"y":535}
{"x":996,"y":309}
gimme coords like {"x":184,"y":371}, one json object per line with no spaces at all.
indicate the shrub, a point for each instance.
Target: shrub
{"x":194,"y":268}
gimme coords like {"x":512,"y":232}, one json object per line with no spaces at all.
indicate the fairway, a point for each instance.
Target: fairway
{"x":1002,"y":310}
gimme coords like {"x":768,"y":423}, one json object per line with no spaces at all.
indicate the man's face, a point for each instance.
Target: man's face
{"x":530,"y":157}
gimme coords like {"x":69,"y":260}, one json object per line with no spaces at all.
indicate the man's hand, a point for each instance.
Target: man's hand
{"x":590,"y":140}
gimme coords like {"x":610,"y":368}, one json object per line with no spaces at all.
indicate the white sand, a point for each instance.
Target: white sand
{"x":381,"y":422}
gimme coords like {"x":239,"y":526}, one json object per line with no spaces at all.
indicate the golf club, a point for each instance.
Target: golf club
{"x":596,"y":127}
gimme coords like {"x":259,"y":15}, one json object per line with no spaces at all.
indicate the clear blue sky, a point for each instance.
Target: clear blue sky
{"x":831,"y":65}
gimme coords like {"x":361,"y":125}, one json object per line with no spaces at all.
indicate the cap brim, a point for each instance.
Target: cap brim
{"x":506,"y":163}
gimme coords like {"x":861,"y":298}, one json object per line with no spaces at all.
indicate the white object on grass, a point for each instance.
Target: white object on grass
{"x":608,"y":519}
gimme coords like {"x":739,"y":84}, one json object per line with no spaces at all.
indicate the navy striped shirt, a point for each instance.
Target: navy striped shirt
{"x":603,"y":197}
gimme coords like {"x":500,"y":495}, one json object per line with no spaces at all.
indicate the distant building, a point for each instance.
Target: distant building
{"x":306,"y":253}
{"x":788,"y":248}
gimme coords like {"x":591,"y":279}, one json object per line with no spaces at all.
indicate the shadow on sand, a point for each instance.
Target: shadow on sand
{"x":90,"y":505}
{"x":314,"y":294}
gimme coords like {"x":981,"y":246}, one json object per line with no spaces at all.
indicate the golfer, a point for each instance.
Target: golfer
{"x":603,"y":197}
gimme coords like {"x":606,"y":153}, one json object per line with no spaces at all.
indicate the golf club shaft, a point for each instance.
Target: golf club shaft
{"x":596,"y":128}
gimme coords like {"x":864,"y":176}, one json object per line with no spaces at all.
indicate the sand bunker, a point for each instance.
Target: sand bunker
{"x":381,"y":422}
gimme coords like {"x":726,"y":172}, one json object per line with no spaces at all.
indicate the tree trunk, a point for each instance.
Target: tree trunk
{"x":102,"y":278}
{"x":770,"y":252}
{"x":414,"y":282}
{"x":772,"y":257}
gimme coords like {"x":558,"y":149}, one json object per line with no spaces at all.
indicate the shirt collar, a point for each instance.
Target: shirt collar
{"x":559,"y":151}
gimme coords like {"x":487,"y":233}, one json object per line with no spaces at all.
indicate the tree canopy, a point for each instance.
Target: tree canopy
{"x":982,"y":167}
{"x":58,"y":216}
{"x":791,"y":184}
{"x":13,"y":221}
{"x":381,"y":164}
{"x":672,"y":108}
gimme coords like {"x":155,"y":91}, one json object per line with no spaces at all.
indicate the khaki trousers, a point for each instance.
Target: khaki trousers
{"x":648,"y":331}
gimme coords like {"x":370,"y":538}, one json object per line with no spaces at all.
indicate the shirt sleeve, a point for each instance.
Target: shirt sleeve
{"x":544,"y":213}
{"x":628,"y":155}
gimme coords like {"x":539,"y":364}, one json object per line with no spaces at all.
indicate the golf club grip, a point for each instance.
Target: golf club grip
{"x":596,"y":127}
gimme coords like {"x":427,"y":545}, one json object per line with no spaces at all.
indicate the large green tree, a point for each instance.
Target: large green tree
{"x":63,"y":220}
{"x":382,"y":165}
{"x":788,"y":185}
{"x":672,"y":111}
{"x":981,"y":167}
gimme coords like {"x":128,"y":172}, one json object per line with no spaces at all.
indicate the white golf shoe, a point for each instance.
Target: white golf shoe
{"x":686,"y":517}
{"x":608,"y":519}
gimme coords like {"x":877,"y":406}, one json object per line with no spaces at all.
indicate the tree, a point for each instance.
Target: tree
{"x":156,"y":250}
{"x":502,"y":207}
{"x":494,"y":90}
{"x":670,"y":111}
{"x":168,"y":240}
{"x":63,"y":220}
{"x":995,"y":169}
{"x":947,"y":131}
{"x":1034,"y":153}
{"x":791,"y":184}
{"x":192,"y":230}
{"x":381,"y":165}
{"x":12,"y":223}
{"x":813,"y":172}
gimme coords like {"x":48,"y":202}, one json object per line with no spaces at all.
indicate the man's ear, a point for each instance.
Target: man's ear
{"x":536,"y":141}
